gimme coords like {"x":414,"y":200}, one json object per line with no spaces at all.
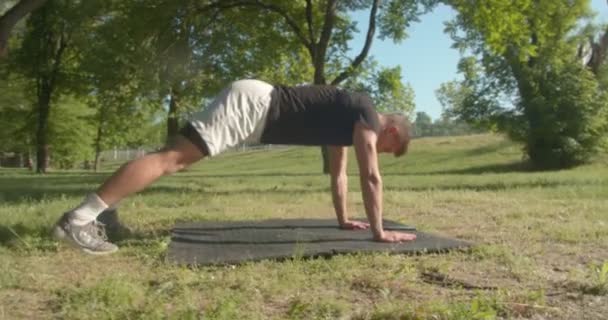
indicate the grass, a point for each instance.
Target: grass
{"x":542,"y":241}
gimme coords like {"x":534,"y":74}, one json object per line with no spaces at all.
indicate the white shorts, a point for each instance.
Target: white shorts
{"x":236,"y":115}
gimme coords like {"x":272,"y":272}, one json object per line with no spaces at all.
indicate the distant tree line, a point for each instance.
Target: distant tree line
{"x":424,"y":126}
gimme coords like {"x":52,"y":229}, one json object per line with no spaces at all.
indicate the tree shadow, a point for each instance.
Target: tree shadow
{"x":23,"y":188}
{"x":27,"y":188}
{"x":513,"y":167}
{"x":500,"y":186}
{"x":28,"y":237}
{"x":255,"y":175}
{"x":493,"y":148}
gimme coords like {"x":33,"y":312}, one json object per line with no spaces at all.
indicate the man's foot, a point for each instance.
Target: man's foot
{"x":90,"y":238}
{"x":114,"y":228}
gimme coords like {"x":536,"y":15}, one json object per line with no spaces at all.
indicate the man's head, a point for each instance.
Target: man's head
{"x":394,"y":136}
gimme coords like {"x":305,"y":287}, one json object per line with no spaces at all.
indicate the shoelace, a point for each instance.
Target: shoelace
{"x":100,"y":230}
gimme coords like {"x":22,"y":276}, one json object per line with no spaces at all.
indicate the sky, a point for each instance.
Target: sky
{"x":426,"y":57}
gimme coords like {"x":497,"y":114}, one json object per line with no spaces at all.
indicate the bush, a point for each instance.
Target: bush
{"x":566,"y":118}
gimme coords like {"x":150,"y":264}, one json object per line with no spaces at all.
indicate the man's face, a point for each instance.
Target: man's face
{"x":389,"y":140}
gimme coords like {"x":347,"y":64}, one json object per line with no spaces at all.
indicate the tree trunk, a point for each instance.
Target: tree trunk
{"x":42,"y":145}
{"x":172,"y":119}
{"x":98,"y":142}
{"x":320,"y":79}
{"x":28,"y":158}
{"x":10,"y":19}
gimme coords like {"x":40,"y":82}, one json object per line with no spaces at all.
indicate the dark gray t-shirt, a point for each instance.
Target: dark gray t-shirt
{"x":317,"y":115}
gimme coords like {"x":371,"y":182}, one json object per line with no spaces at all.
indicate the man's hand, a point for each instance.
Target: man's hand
{"x":392,"y":236}
{"x":354,"y":225}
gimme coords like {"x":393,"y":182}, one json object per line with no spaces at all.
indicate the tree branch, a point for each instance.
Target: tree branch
{"x":365,"y":51}
{"x":598,"y":53}
{"x":224,"y":5}
{"x":311,"y":33}
{"x":328,"y":26}
{"x":11,"y":17}
{"x":63,"y":44}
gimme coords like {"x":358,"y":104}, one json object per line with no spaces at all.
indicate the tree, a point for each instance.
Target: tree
{"x":460,"y":104}
{"x":391,"y":94}
{"x":423,"y":124}
{"x":525,"y":54}
{"x":15,"y":115}
{"x":385,"y":87}
{"x":70,"y":132}
{"x":10,"y":18}
{"x":593,"y":51}
{"x":47,"y":60}
{"x":180,"y":56}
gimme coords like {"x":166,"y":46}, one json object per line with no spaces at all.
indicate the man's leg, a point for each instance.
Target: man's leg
{"x":79,"y":225}
{"x":138,"y":174}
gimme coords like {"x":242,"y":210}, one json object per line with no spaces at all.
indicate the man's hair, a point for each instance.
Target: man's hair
{"x":402,"y":123}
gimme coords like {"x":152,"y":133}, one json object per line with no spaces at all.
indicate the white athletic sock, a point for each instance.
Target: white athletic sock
{"x":88,"y":210}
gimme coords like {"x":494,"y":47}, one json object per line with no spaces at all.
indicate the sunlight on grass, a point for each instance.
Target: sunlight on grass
{"x":542,"y":241}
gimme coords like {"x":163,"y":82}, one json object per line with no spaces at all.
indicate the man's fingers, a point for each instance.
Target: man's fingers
{"x":407,"y":237}
{"x":355,"y":226}
{"x":362,"y":226}
{"x":399,"y":237}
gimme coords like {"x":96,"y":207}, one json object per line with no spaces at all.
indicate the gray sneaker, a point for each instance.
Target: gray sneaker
{"x":90,"y":238}
{"x":115,"y":229}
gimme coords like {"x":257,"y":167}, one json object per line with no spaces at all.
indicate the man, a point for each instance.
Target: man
{"x":254,"y":111}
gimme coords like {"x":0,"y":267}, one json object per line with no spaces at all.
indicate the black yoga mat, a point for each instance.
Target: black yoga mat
{"x":234,"y":242}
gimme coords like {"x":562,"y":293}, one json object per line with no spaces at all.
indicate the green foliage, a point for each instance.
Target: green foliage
{"x":424,"y":126}
{"x":15,"y":115}
{"x":452,"y":96}
{"x":398,"y":15}
{"x":71,"y":133}
{"x":385,"y":86}
{"x":288,"y":68}
{"x":48,"y":59}
{"x":391,"y":94}
{"x":520,"y":28}
{"x":565,"y":121}
{"x":523,"y":78}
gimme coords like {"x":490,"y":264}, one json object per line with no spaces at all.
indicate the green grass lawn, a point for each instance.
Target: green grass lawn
{"x":542,"y":240}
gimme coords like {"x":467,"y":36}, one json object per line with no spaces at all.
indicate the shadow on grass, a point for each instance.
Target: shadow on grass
{"x":24,"y":237}
{"x":493,"y":186}
{"x":514,"y":167}
{"x":261,"y":174}
{"x":29,"y":188}
{"x":20,"y":189}
{"x":493,"y":148}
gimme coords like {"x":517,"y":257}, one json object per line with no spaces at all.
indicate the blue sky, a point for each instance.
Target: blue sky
{"x":425,"y":57}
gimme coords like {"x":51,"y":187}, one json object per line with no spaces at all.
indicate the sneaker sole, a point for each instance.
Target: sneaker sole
{"x":95,"y":253}
{"x":60,"y":234}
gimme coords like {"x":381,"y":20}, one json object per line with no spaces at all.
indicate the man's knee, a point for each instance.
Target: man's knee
{"x":179,"y":155}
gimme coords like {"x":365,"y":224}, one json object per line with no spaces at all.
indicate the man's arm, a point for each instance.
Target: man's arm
{"x":364,"y":140}
{"x":339,"y":187}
